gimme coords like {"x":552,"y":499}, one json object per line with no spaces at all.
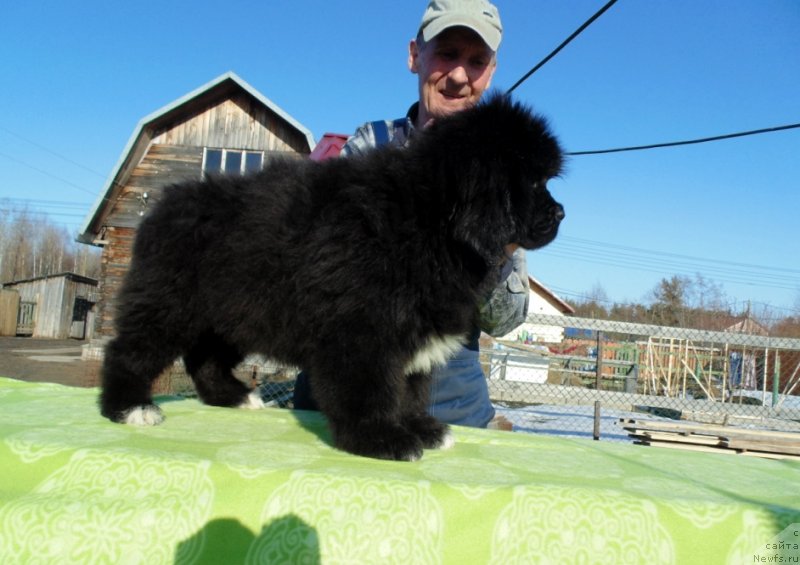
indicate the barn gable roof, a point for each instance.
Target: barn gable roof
{"x":222,"y":86}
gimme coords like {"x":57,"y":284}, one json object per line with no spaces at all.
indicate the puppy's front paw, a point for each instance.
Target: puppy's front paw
{"x":381,"y":442}
{"x":253,"y":401}
{"x":447,"y":441}
{"x":144,"y":415}
{"x":432,"y":433}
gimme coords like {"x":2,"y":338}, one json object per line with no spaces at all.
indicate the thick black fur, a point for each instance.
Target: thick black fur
{"x":346,"y":268}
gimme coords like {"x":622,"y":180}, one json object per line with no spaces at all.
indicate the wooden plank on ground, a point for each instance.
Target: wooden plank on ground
{"x":679,"y":438}
{"x":707,"y":429}
{"x":720,"y":439}
{"x":764,"y":446}
{"x":724,"y":451}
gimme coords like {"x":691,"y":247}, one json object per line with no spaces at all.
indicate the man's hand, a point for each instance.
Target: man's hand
{"x":509,"y":250}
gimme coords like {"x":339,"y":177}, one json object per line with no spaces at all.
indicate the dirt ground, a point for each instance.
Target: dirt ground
{"x":46,"y":360}
{"x":59,"y":361}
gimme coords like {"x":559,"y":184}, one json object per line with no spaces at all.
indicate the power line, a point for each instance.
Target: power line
{"x":48,"y":174}
{"x":664,"y":269}
{"x":64,"y":213}
{"x":22,"y":203}
{"x":687,"y":142}
{"x":642,"y":260}
{"x":650,"y":252}
{"x":555,"y":52}
{"x":54,"y":153}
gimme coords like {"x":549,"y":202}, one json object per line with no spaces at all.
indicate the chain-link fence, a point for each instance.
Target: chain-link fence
{"x":579,"y":377}
{"x":599,"y":371}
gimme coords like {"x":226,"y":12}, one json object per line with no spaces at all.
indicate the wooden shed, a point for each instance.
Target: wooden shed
{"x":55,"y":306}
{"x":224,"y":126}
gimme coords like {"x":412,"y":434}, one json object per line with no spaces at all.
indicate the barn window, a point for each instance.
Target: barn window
{"x":253,"y":161}
{"x":231,"y":162}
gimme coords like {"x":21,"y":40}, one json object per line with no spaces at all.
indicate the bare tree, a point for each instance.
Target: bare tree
{"x":31,"y":245}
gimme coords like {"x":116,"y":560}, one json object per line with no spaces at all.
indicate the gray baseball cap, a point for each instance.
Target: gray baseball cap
{"x":478,"y":15}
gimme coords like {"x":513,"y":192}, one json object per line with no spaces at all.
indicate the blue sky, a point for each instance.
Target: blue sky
{"x":77,"y":77}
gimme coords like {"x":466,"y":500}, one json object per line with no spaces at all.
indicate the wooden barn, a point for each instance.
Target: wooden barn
{"x":224,"y":126}
{"x":55,"y":306}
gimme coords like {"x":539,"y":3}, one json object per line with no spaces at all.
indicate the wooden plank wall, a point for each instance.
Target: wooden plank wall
{"x":239,"y":122}
{"x":48,"y":295}
{"x":9,"y":304}
{"x":114,"y":263}
{"x":161,"y":166}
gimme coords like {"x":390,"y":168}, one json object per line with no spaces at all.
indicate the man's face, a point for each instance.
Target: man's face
{"x":454,"y":69}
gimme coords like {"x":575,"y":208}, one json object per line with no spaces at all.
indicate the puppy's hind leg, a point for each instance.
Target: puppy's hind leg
{"x":210,"y":362}
{"x":130,"y":365}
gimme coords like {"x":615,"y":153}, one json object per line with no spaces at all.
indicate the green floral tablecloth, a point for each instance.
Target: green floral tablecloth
{"x":216,"y":485}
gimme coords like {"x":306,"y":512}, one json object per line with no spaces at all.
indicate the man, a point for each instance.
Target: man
{"x":454,"y":56}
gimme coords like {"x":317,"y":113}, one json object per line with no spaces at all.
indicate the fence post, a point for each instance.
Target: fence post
{"x":596,"y":431}
{"x":599,"y":360}
{"x":776,"y":379}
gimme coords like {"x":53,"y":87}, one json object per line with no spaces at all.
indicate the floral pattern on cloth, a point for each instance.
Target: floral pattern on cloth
{"x":225,"y":485}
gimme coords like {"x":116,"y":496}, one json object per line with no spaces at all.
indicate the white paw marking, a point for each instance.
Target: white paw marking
{"x":147,"y":415}
{"x":253,"y":401}
{"x":437,"y":351}
{"x":448,"y":441}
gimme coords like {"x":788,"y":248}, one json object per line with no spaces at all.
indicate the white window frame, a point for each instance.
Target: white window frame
{"x":243,"y":152}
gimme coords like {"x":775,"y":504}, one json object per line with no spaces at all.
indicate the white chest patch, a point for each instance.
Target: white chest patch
{"x":434,"y":353}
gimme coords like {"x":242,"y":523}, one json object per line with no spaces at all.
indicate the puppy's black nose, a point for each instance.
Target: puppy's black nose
{"x":558,"y":212}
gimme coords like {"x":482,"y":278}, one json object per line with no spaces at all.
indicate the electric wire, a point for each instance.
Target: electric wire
{"x":564,"y":43}
{"x":52,"y":152}
{"x":48,"y":174}
{"x":686,"y":142}
{"x":655,"y":262}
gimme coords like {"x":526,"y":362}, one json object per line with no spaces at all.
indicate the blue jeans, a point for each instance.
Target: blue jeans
{"x":459,"y":394}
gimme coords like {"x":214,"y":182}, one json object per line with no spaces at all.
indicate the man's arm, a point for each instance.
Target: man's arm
{"x":507,"y":305}
{"x":360,"y":142}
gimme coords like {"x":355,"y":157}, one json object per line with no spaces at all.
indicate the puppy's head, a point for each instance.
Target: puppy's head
{"x":494,"y":161}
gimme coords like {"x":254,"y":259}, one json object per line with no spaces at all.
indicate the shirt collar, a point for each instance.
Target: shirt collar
{"x":411,"y":119}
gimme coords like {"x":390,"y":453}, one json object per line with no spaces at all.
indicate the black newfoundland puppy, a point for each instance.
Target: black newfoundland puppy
{"x":365,"y":271}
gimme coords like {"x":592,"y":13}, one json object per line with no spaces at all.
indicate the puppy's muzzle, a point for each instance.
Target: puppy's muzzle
{"x":552,"y":220}
{"x":558,"y":213}
{"x":544,"y":230}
